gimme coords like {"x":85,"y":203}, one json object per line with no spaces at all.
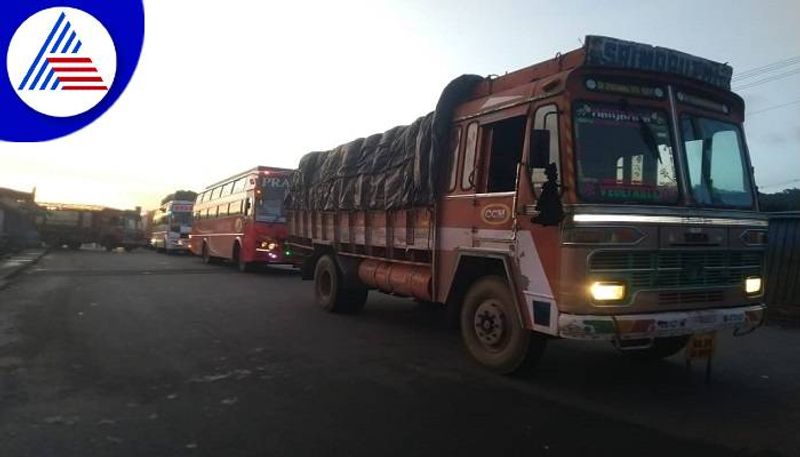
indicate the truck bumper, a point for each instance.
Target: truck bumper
{"x":658,"y":325}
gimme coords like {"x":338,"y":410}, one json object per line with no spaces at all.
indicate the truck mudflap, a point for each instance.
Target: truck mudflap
{"x":641,"y":326}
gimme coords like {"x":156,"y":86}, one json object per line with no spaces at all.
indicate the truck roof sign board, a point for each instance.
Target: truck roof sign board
{"x":613,"y":53}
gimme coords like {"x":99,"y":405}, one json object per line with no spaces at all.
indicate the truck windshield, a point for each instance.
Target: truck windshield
{"x":715,"y":162}
{"x":269,"y":205}
{"x":624,"y":155}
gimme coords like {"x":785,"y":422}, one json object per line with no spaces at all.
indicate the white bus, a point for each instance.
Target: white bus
{"x":172,"y":224}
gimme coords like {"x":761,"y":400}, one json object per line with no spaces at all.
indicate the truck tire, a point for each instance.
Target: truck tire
{"x":492,"y":332}
{"x":661,"y":349}
{"x":328,"y":290}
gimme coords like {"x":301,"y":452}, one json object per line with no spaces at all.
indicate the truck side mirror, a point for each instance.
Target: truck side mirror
{"x":539,"y":155}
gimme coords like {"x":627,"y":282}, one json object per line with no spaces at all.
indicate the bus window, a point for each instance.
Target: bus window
{"x":247,"y":205}
{"x":238,"y":186}
{"x":235,"y":208}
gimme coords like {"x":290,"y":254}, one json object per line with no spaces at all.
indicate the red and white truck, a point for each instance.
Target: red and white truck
{"x":605,"y":194}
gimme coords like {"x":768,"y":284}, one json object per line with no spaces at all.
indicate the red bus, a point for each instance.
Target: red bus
{"x":241,"y":219}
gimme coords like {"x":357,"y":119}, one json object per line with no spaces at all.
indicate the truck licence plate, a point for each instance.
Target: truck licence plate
{"x":701,"y":346}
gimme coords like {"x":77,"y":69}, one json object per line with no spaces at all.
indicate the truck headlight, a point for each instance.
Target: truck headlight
{"x":752,"y":285}
{"x":607,"y":291}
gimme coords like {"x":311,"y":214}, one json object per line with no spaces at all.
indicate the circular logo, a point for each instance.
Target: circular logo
{"x":495,"y":214}
{"x":61,"y":61}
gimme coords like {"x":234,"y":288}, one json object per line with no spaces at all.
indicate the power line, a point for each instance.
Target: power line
{"x":767,"y":79}
{"x":770,"y":108}
{"x":753,"y":72}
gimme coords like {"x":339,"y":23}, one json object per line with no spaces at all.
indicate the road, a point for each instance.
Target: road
{"x":145,"y":354}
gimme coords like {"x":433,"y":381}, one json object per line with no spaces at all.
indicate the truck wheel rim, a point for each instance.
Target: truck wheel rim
{"x":325,"y":284}
{"x":490,"y":324}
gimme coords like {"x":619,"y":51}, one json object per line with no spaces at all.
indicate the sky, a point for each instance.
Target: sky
{"x":224,"y":86}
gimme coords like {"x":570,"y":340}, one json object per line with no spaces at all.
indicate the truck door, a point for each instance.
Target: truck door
{"x":495,"y":179}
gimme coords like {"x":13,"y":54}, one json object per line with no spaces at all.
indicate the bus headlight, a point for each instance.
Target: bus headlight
{"x":269,"y":245}
{"x":752,"y":285}
{"x":607,"y":291}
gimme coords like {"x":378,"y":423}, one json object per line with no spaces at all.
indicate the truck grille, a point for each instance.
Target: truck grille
{"x":657,"y":269}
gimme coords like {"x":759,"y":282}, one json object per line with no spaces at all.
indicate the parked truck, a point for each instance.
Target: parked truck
{"x":605,"y":194}
{"x":72,"y":225}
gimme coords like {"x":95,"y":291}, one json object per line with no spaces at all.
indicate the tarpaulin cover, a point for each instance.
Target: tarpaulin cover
{"x":400,"y":168}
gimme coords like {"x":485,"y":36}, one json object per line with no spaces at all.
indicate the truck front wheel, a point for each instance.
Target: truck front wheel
{"x":329,"y":292}
{"x":492,"y":331}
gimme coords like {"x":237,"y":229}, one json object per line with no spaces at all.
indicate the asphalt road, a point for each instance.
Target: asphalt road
{"x":144,"y":354}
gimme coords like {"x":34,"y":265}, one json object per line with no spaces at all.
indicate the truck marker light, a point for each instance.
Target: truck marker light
{"x":607,"y":291}
{"x":752,"y":285}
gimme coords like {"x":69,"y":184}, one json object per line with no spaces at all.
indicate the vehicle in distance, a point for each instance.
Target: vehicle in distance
{"x":172,"y":222}
{"x":241,"y":219}
{"x":72,"y":225}
{"x":605,"y":194}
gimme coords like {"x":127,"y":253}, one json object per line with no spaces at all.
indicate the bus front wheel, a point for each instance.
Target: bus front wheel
{"x":492,"y":332}
{"x":241,"y":264}
{"x":206,"y":256}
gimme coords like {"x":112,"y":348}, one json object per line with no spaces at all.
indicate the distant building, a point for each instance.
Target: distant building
{"x":18,"y":213}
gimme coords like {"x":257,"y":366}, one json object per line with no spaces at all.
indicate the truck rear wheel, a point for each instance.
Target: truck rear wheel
{"x":329,"y":292}
{"x":491,"y":329}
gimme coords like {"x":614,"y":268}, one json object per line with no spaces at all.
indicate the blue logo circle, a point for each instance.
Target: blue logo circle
{"x":54,"y":67}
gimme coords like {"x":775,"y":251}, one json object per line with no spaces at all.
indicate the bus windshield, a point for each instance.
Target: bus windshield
{"x":624,"y":155}
{"x":269,"y":205}
{"x":715,"y":162}
{"x":182,"y":218}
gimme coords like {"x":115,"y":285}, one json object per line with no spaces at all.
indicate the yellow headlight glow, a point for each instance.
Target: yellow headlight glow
{"x":752,"y":285}
{"x":607,"y":291}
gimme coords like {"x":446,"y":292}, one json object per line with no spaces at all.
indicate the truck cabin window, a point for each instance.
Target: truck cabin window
{"x":506,"y":140}
{"x":714,"y":156}
{"x":624,"y":155}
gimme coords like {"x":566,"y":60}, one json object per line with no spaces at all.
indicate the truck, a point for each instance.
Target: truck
{"x":605,"y":194}
{"x":72,"y":225}
{"x":172,"y":222}
{"x":116,"y":228}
